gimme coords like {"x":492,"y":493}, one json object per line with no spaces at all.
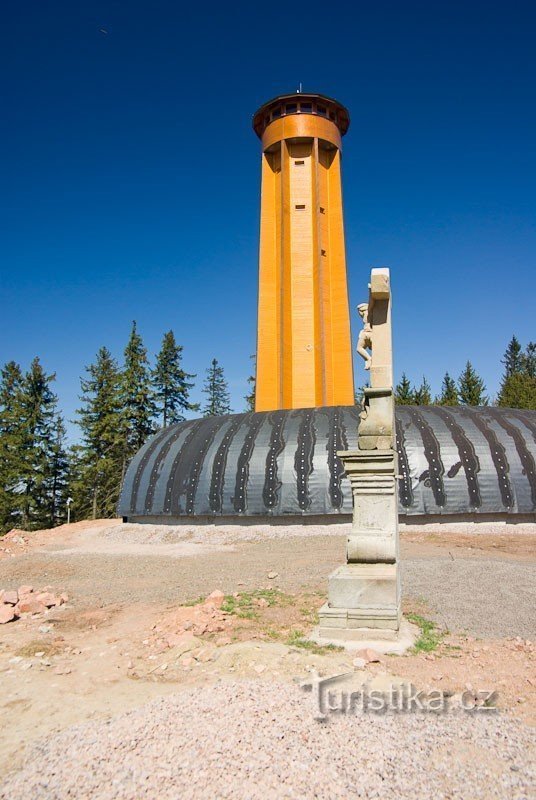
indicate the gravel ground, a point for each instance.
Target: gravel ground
{"x":256,"y":740}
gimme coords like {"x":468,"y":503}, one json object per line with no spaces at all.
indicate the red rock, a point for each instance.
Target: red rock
{"x":11,"y":598}
{"x":47,"y":599}
{"x":184,"y":642}
{"x":215,"y":599}
{"x":25,"y":590}
{"x":7,"y":613}
{"x":30,"y":605}
{"x":370,"y":656}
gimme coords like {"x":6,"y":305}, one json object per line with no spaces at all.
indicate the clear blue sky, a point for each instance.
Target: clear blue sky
{"x":130,"y":173}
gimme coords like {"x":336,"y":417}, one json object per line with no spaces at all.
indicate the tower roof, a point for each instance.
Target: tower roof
{"x":301,"y":103}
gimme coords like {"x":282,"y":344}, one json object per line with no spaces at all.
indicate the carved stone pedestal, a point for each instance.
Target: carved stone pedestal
{"x":364,"y":594}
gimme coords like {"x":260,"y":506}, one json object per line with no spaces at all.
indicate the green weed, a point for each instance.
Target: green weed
{"x":430,"y":637}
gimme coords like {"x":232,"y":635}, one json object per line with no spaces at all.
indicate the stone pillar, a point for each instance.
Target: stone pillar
{"x":364,"y":594}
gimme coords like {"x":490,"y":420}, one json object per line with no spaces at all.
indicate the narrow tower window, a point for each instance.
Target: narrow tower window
{"x":299,"y":163}
{"x":300,"y":206}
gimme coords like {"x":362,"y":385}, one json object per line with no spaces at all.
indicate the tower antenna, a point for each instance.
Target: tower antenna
{"x":299,"y":89}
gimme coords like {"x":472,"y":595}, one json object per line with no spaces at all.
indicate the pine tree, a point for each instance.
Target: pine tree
{"x":449,"y":392}
{"x":38,"y":437}
{"x":529,"y":360}
{"x":513,"y":357}
{"x":518,"y":391}
{"x":10,"y":442}
{"x":471,"y":388}
{"x":59,"y":475}
{"x":98,"y":463}
{"x":216,"y":390}
{"x":423,"y":395}
{"x":518,"y":385}
{"x":136,"y":394}
{"x":172,"y":384}
{"x":252,"y":380}
{"x":404,"y":392}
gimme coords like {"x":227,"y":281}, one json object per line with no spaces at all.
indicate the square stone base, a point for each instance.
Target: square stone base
{"x":363,"y":596}
{"x":383,"y":640}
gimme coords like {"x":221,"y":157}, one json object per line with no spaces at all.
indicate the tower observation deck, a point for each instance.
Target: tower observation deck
{"x":304,"y":351}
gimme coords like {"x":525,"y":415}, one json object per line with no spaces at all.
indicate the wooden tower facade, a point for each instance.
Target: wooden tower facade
{"x":304,"y":351}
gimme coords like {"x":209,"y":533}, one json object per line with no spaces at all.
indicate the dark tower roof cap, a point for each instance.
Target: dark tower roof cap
{"x":301,"y":103}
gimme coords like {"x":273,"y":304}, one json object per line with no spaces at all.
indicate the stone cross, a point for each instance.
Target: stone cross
{"x":364,"y":594}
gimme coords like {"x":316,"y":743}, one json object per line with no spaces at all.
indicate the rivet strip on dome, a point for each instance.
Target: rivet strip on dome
{"x":220,"y":463}
{"x":498,"y":455}
{"x":436,"y":470}
{"x":526,"y":458}
{"x":272,"y":484}
{"x":405,"y":489}
{"x":254,"y":422}
{"x":466,"y":452}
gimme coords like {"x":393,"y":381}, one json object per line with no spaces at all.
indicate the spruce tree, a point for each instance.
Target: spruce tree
{"x":136,"y":394}
{"x":529,"y":360}
{"x":449,"y":393}
{"x":38,"y":437}
{"x":252,"y":380}
{"x":471,"y":388}
{"x":518,"y":391}
{"x":59,"y":475}
{"x":11,"y":379}
{"x":216,"y":391}
{"x":518,"y":385}
{"x":513,"y":358}
{"x":423,"y":395}
{"x":171,"y":383}
{"x":404,"y":392}
{"x":99,"y":462}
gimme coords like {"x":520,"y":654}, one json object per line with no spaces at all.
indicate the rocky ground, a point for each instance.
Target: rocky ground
{"x":178,"y":655}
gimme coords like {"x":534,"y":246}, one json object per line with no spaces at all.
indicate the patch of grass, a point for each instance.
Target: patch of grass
{"x":195,"y":602}
{"x":310,"y":615}
{"x":245,"y":604}
{"x":430,"y":637}
{"x":297,"y":639}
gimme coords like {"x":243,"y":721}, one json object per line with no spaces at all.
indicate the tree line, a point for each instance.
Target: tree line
{"x":122,"y":405}
{"x":517,"y":389}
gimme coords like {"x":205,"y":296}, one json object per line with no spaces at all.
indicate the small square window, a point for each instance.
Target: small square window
{"x":299,"y":163}
{"x":322,"y":210}
{"x":322,"y":252}
{"x":291,"y":108}
{"x":300,"y":206}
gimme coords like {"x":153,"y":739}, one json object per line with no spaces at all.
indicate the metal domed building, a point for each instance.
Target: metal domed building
{"x":452,"y":461}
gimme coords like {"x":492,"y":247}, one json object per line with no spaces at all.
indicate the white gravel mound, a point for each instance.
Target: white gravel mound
{"x":258,"y":740}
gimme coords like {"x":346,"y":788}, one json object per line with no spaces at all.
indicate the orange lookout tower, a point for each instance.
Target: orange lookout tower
{"x":304,"y":351}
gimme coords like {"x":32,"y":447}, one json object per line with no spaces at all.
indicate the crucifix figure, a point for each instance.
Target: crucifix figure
{"x":365,"y":335}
